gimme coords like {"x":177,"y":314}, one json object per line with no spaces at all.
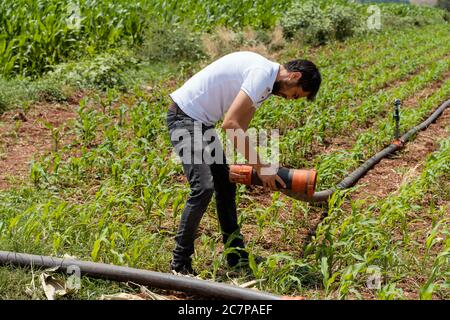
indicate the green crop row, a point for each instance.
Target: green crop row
{"x":338,"y":112}
{"x":353,"y":75}
{"x":335,"y":165}
{"x":380,"y":236}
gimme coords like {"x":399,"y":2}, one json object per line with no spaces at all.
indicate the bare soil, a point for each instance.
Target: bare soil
{"x":24,"y":136}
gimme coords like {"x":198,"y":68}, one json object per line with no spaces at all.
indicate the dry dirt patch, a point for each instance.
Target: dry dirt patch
{"x":24,"y":135}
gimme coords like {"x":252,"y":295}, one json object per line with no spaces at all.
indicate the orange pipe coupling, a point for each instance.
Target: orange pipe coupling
{"x":301,"y":181}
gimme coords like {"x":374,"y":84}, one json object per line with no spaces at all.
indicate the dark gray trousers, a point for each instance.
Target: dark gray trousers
{"x":205,"y":179}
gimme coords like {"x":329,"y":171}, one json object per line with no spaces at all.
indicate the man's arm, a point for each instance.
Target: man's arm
{"x":236,"y":123}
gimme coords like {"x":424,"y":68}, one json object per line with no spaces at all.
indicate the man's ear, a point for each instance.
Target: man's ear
{"x":295,"y":76}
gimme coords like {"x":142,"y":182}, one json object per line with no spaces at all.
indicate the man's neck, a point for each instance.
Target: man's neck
{"x":282,"y":73}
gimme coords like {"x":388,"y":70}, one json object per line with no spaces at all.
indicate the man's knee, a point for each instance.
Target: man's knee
{"x":202,"y":192}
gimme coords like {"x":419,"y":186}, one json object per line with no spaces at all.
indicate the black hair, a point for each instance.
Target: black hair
{"x":311,"y":78}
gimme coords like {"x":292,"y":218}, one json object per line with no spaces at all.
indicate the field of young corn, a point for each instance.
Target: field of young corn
{"x":113,"y":194}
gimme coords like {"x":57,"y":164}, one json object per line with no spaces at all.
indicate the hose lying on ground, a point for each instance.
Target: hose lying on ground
{"x":353,"y":177}
{"x":143,"y":277}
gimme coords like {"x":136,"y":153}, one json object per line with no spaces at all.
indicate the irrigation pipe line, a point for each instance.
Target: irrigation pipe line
{"x":353,"y":177}
{"x":143,"y":277}
{"x":192,"y":285}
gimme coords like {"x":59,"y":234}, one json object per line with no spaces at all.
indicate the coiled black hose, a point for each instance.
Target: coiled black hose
{"x":353,"y":177}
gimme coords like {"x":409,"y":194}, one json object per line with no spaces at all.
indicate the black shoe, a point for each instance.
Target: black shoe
{"x":184,"y":269}
{"x":240,"y":259}
{"x":237,"y":259}
{"x":259,"y":259}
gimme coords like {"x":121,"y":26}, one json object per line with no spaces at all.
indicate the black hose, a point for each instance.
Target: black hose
{"x":144,"y":277}
{"x":353,"y":177}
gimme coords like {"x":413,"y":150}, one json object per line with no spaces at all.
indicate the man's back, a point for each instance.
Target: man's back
{"x":208,"y":94}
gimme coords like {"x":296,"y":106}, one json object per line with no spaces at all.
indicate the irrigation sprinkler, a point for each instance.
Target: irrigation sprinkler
{"x":397,"y":104}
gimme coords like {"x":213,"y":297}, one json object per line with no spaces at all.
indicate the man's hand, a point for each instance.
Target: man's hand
{"x":269,"y":177}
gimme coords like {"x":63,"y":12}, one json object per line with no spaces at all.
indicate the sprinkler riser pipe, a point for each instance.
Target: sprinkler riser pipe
{"x":397,"y":119}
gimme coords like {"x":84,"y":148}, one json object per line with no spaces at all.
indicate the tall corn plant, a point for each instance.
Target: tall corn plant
{"x":34,"y":35}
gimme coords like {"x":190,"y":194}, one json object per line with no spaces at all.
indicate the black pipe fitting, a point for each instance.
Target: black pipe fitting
{"x":397,"y":104}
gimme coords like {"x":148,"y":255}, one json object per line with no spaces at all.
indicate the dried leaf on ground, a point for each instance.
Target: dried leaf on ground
{"x":120,"y":296}
{"x":53,"y":288}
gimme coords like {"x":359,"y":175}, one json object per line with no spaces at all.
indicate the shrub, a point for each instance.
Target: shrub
{"x":317,"y":26}
{"x":14,"y":92}
{"x":308,"y":21}
{"x":344,"y":21}
{"x":171,"y":43}
{"x":317,"y":22}
{"x":103,"y":71}
{"x":263,"y":37}
{"x":52,"y":90}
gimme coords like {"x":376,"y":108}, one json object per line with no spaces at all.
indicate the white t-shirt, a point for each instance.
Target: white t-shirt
{"x":209,"y":93}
